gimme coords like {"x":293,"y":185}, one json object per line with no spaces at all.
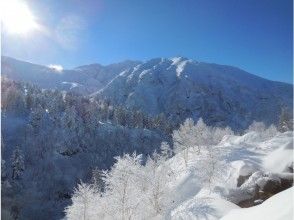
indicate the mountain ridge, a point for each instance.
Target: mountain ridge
{"x":181,"y":88}
{"x":177,"y":87}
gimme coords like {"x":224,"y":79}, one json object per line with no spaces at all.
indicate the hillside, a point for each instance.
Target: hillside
{"x":178,"y":88}
{"x":204,"y":181}
{"x":82,"y":80}
{"x":181,"y":88}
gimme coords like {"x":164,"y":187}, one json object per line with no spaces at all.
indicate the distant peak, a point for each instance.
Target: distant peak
{"x":93,"y":65}
{"x":178,"y":59}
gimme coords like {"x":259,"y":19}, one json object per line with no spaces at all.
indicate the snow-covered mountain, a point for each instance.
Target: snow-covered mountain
{"x":178,"y":87}
{"x":83,"y":79}
{"x":181,"y":88}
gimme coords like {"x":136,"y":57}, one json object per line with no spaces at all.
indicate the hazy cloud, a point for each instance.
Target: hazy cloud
{"x":69,"y":31}
{"x":57,"y":68}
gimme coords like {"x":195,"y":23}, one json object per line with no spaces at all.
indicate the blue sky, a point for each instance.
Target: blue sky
{"x":255,"y":35}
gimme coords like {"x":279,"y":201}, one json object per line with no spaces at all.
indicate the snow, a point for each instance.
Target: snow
{"x":281,"y":158}
{"x":213,"y":92}
{"x":183,"y":88}
{"x":278,"y":207}
{"x":199,"y":181}
{"x":246,"y":156}
{"x":90,"y":78}
{"x":203,"y":208}
{"x":72,"y":84}
{"x":180,"y":64}
{"x":177,"y":87}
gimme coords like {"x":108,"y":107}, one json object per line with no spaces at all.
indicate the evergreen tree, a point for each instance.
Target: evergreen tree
{"x":3,"y":171}
{"x":285,"y":121}
{"x":17,"y":164}
{"x":97,"y":179}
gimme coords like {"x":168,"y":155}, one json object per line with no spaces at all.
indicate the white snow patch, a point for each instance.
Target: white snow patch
{"x":278,"y":207}
{"x":280,"y":159}
{"x":180,"y":63}
{"x":72,"y":84}
{"x":203,"y":208}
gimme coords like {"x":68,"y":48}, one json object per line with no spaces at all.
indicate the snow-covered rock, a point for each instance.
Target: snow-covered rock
{"x":278,"y":207}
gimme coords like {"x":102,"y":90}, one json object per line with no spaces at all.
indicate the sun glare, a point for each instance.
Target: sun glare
{"x":16,"y":17}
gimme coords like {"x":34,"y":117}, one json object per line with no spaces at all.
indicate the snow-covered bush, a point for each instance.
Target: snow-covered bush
{"x":122,"y":196}
{"x":261,"y":131}
{"x":85,"y":203}
{"x":194,"y":137}
{"x":132,"y":191}
{"x":157,"y":195}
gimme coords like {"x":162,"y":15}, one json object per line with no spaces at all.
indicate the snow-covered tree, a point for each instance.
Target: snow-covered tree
{"x":165,"y":150}
{"x":120,"y":116}
{"x":97,"y":179}
{"x":183,"y":139}
{"x":157,"y":194}
{"x":3,"y":170}
{"x":261,"y":130}
{"x":85,"y":203}
{"x":194,"y":137}
{"x":209,"y":166}
{"x":271,"y":131}
{"x":219,"y":133}
{"x":256,"y":127}
{"x":285,"y":121}
{"x":13,"y":99}
{"x":122,"y":198}
{"x":191,"y":137}
{"x":138,"y":119}
{"x":17,"y":164}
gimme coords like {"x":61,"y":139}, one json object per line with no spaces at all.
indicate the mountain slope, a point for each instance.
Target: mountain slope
{"x":181,"y":88}
{"x":83,"y":79}
{"x":177,"y":87}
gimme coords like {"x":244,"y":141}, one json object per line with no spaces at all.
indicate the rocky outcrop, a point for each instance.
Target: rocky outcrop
{"x":260,"y":186}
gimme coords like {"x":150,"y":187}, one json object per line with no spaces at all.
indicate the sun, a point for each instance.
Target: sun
{"x":16,"y":17}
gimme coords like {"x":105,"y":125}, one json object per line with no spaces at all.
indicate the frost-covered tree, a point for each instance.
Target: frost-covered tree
{"x":17,"y":164}
{"x":261,"y":130}
{"x":209,"y":166}
{"x":36,"y":118}
{"x":85,"y":202}
{"x":13,"y":99}
{"x":138,"y":119}
{"x":120,"y":116}
{"x":285,"y":121}
{"x":97,"y":179}
{"x":256,"y":127}
{"x":183,"y":139}
{"x":157,"y":195}
{"x":165,"y":150}
{"x":72,"y":131}
{"x":3,"y":170}
{"x":122,"y":198}
{"x":219,"y":133}
{"x":193,"y":137}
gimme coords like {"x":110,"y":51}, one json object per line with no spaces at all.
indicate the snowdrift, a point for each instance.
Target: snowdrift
{"x":258,"y":159}
{"x":278,"y":207}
